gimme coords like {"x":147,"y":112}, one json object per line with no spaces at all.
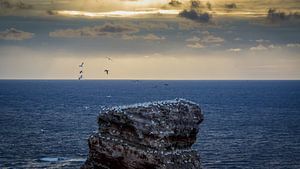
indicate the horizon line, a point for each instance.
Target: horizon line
{"x":120,"y":79}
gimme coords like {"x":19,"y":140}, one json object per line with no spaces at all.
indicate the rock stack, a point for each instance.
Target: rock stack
{"x":155,"y":135}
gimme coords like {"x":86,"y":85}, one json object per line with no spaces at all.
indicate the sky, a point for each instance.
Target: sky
{"x":150,"y":39}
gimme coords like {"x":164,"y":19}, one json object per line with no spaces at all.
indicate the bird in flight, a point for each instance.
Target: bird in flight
{"x":81,"y":71}
{"x":80,"y":77}
{"x":110,"y":59}
{"x":81,"y":65}
{"x":106,"y":71}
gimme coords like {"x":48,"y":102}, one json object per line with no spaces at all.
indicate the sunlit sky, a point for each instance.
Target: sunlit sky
{"x":150,"y":39}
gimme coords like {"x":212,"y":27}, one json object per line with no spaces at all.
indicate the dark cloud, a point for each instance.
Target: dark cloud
{"x":195,"y":12}
{"x":275,"y":16}
{"x":209,"y":6}
{"x":175,"y":3}
{"x":231,"y":6}
{"x":14,"y":34}
{"x":96,"y":31}
{"x":195,"y":4}
{"x":5,"y":4}
{"x":51,"y":12}
{"x":110,"y":28}
{"x":195,"y":15}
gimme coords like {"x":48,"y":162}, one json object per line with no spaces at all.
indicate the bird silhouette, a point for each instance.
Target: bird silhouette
{"x":81,"y":71}
{"x":106,"y":71}
{"x":81,"y":65}
{"x":110,"y":59}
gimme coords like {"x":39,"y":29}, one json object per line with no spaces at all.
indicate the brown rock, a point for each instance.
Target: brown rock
{"x":156,"y":135}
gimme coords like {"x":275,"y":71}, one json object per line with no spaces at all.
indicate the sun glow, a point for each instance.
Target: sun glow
{"x":119,"y":13}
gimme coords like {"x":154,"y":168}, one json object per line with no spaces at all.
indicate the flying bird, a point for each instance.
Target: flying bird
{"x":81,"y":71}
{"x":81,"y":65}
{"x":106,"y":71}
{"x":110,"y":59}
{"x":80,"y":77}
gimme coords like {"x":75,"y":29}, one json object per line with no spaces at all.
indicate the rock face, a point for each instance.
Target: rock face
{"x":156,"y":135}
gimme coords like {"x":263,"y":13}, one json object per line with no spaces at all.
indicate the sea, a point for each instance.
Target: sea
{"x":247,"y":124}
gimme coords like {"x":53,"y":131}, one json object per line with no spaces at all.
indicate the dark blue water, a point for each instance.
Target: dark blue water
{"x":248,"y":124}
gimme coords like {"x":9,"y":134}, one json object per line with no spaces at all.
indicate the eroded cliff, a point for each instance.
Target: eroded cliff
{"x":154,"y":135}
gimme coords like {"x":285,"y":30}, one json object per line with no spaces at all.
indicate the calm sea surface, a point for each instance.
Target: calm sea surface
{"x":248,"y":124}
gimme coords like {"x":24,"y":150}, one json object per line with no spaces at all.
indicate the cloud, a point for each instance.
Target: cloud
{"x":5,"y":4}
{"x":231,"y":6}
{"x":193,"y":39}
{"x":152,"y":25}
{"x":212,"y":39}
{"x":195,"y":4}
{"x":277,"y":16}
{"x":234,"y":50}
{"x":274,"y":46}
{"x":96,"y":31}
{"x":293,"y":45}
{"x":209,"y":6}
{"x":188,"y":25}
{"x":206,"y":39}
{"x":194,"y":12}
{"x":14,"y":34}
{"x":205,"y":33}
{"x":259,"y":48}
{"x":195,"y":15}
{"x":150,"y":37}
{"x":153,"y":37}
{"x":195,"y":45}
{"x":262,"y":40}
{"x":175,"y":3}
{"x":51,"y":12}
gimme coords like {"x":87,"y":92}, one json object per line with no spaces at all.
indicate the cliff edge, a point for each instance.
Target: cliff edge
{"x":154,"y":135}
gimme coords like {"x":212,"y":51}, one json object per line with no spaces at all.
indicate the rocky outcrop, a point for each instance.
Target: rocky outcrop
{"x":156,"y":135}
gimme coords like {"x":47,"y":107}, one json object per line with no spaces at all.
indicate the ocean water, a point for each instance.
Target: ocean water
{"x":248,"y":124}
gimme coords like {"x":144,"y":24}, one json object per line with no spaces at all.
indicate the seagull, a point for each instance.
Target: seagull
{"x":110,"y":59}
{"x":81,"y":64}
{"x":80,"y":77}
{"x":106,"y":71}
{"x":81,"y":71}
